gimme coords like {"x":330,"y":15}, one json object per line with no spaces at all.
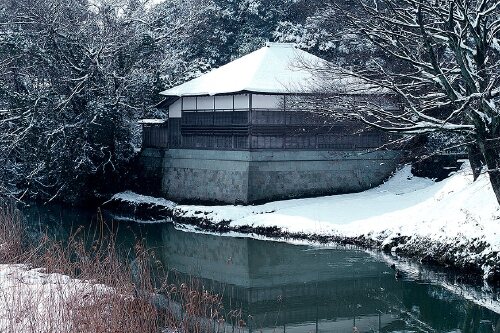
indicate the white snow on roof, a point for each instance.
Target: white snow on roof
{"x":152,"y":121}
{"x":275,"y":68}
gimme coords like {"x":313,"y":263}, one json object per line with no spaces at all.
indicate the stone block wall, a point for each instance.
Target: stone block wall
{"x":150,"y":171}
{"x":293,"y":174}
{"x":206,"y":175}
{"x":254,"y":176}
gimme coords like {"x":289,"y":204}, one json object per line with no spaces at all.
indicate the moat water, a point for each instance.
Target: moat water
{"x":282,"y":287}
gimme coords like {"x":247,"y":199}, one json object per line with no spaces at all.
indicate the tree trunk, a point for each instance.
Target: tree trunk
{"x":475,"y":159}
{"x":495,"y":182}
{"x":492,"y":159}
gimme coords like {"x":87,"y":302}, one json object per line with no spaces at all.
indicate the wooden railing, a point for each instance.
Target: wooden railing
{"x":251,"y":117}
{"x":215,"y":118}
{"x":286,"y":117}
{"x":260,"y":129}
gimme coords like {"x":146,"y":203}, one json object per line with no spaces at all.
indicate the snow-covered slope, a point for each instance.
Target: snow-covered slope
{"x":455,"y":220}
{"x":322,"y":213}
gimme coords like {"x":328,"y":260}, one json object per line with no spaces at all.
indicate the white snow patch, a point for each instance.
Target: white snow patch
{"x":137,"y":199}
{"x":152,"y":121}
{"x":32,"y":301}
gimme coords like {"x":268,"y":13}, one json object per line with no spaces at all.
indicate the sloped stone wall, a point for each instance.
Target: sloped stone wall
{"x":246,"y":177}
{"x":294,"y":174}
{"x":206,"y":175}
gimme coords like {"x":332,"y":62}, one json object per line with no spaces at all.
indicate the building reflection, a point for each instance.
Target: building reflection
{"x":287,"y":288}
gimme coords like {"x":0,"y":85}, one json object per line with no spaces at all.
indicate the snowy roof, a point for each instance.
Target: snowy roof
{"x":152,"y":121}
{"x":275,"y":68}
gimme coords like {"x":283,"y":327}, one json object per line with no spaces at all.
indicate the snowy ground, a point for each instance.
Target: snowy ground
{"x":32,"y":301}
{"x":452,"y":222}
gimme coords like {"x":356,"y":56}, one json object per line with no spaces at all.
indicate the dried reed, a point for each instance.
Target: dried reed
{"x":87,"y":285}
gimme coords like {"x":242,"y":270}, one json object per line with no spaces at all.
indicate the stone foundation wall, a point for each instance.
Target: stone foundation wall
{"x":206,"y":175}
{"x":309,"y":173}
{"x":245,"y":177}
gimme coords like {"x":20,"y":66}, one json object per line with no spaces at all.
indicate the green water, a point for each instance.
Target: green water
{"x":295,"y":288}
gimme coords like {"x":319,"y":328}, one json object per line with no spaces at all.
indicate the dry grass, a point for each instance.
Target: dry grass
{"x":11,"y":249}
{"x":86,"y":285}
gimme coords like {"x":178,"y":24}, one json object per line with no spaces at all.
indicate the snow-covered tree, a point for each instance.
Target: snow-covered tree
{"x":441,"y":61}
{"x":233,"y":28}
{"x":76,"y":75}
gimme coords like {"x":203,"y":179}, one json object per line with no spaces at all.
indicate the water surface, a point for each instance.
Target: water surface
{"x":282,"y":287}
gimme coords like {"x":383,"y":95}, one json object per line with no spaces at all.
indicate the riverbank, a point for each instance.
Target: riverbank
{"x":79,"y":284}
{"x":84,"y":283}
{"x":34,"y":301}
{"x":453,"y":223}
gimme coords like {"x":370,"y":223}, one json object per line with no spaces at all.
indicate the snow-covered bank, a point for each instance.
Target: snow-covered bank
{"x":132,"y":206}
{"x":33,"y":301}
{"x":454,"y":222}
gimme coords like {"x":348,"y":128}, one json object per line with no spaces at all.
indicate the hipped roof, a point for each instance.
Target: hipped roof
{"x":275,"y":69}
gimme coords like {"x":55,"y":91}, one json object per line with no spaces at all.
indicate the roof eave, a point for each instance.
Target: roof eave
{"x":166,"y":102}
{"x":246,"y":91}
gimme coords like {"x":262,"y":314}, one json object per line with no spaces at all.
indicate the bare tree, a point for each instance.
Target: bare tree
{"x":442,"y":62}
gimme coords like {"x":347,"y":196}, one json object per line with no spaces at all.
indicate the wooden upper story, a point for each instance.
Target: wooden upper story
{"x":247,"y":121}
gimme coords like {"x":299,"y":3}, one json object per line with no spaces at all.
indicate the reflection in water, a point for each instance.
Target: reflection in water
{"x":289,"y":288}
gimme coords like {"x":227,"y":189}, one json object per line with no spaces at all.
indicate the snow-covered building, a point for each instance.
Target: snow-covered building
{"x":241,"y":133}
